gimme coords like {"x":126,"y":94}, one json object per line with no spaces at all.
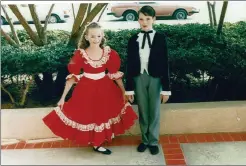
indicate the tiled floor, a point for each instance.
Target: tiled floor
{"x":215,"y":153}
{"x":171,"y":144}
{"x":122,"y":155}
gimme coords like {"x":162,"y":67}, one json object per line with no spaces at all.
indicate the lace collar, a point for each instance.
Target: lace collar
{"x":97,"y":63}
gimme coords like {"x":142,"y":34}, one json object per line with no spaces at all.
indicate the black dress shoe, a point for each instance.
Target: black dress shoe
{"x":142,"y":147}
{"x":154,"y":149}
{"x":107,"y":151}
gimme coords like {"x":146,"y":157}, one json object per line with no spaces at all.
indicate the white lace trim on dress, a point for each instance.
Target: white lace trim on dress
{"x":92,"y":126}
{"x":116,"y":75}
{"x":97,"y":63}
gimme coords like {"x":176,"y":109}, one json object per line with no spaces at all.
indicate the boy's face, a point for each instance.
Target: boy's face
{"x":146,"y":22}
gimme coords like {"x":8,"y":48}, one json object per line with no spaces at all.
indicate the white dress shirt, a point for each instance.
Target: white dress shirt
{"x":145,"y":52}
{"x":144,"y":58}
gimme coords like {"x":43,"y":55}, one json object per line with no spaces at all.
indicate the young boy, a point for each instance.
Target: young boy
{"x":148,"y":76}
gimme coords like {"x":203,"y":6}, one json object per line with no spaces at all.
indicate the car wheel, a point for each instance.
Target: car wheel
{"x":130,"y":16}
{"x":54,"y":19}
{"x":180,"y":15}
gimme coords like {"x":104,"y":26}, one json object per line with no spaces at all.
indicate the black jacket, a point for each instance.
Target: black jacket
{"x":158,"y":61}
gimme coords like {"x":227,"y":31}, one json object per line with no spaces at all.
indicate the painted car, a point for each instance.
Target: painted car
{"x":129,"y":10}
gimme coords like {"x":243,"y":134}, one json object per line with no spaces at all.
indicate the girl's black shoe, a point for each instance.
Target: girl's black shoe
{"x":107,"y":151}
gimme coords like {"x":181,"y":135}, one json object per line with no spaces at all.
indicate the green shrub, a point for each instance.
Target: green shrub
{"x":203,"y":67}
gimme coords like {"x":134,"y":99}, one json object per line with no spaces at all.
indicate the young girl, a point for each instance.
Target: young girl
{"x":97,"y":111}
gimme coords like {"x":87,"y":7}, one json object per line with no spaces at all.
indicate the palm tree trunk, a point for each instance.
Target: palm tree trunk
{"x":36,"y":20}
{"x":16,"y":38}
{"x":8,"y":38}
{"x":222,"y":17}
{"x":44,"y":36}
{"x":88,"y":9}
{"x":33,"y":36}
{"x":210,"y":13}
{"x":9,"y":94}
{"x":102,"y":13}
{"x":79,"y":18}
{"x":213,"y":12}
{"x":91,"y":16}
{"x":24,"y":94}
{"x":73,"y":12}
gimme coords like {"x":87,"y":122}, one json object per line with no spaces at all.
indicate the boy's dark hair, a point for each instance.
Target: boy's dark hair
{"x":147,"y":11}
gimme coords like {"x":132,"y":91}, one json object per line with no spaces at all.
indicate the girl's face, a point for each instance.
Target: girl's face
{"x":146,"y":22}
{"x":94,"y":36}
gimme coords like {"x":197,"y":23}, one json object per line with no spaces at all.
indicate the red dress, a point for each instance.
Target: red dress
{"x":96,"y":111}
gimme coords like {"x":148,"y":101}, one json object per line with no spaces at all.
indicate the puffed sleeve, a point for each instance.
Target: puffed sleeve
{"x":75,"y":65}
{"x":113,"y":66}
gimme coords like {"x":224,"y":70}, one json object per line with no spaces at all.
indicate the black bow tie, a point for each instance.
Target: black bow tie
{"x":146,"y":34}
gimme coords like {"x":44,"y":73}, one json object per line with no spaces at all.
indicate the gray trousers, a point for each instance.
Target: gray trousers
{"x":147,"y":93}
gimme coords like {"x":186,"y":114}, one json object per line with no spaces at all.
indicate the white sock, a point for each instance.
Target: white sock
{"x":102,"y":149}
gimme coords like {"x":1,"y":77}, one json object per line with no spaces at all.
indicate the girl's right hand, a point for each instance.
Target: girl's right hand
{"x":130,"y":98}
{"x":61,"y":103}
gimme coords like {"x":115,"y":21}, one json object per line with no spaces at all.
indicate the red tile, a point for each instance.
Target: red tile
{"x":209,"y":137}
{"x":3,"y":146}
{"x":29,"y":146}
{"x":235,"y":136}
{"x":171,"y":146}
{"x":73,"y":144}
{"x":191,"y":138}
{"x":128,"y":140}
{"x":123,"y":140}
{"x":173,"y":139}
{"x":115,"y":142}
{"x":11,"y":146}
{"x":182,"y":138}
{"x":243,"y":136}
{"x":137,"y":137}
{"x":81,"y":145}
{"x":136,"y":140}
{"x":77,"y":144}
{"x":56,"y":144}
{"x":47,"y":144}
{"x":20,"y":145}
{"x":119,"y":141}
{"x":175,"y":162}
{"x":200,"y":138}
{"x":218,"y":137}
{"x":172,"y":151}
{"x":38,"y":145}
{"x":226,"y":137}
{"x":164,"y":139}
{"x":174,"y":156}
{"x":65,"y":144}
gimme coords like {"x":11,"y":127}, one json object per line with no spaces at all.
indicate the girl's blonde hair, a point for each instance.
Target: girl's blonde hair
{"x":83,"y":43}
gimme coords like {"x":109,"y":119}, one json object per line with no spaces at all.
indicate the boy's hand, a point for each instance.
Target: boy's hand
{"x":130,"y":98}
{"x":164,"y":98}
